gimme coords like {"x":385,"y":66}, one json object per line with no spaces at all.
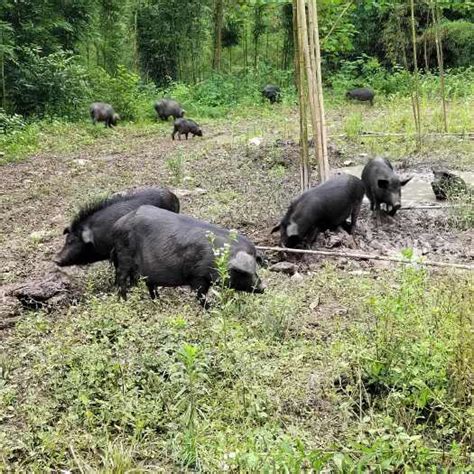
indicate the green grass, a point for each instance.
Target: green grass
{"x":338,"y":371}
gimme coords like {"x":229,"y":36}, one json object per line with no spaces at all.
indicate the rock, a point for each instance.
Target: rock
{"x":80,"y":162}
{"x":181,"y":193}
{"x":297,"y":278}
{"x":39,"y":236}
{"x":363,"y":155}
{"x":348,"y":163}
{"x":48,"y":290}
{"x":256,"y":141}
{"x":284,"y":267}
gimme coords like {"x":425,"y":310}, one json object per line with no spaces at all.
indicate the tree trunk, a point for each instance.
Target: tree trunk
{"x":300,"y":82}
{"x":218,"y":21}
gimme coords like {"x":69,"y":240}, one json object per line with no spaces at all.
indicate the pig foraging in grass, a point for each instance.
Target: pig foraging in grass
{"x":447,"y":185}
{"x":172,"y":250}
{"x":89,"y":236}
{"x":363,"y":94}
{"x":272,"y":93}
{"x":326,"y":206}
{"x":166,"y":108}
{"x":185,"y":127}
{"x":101,"y":112}
{"x":383,"y":186}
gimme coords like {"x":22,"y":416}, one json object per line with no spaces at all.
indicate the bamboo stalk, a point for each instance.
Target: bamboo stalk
{"x":299,"y":68}
{"x":439,"y":56}
{"x":338,"y":19}
{"x":416,"y":78}
{"x":363,"y":256}
{"x":319,"y":90}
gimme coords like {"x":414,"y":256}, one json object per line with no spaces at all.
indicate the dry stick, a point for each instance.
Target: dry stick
{"x":302,"y":99}
{"x":363,"y":256}
{"x":439,"y":55}
{"x":415,"y":71}
{"x":313,"y":11}
{"x":338,"y":19}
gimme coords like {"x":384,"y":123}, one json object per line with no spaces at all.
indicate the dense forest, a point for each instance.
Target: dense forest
{"x":55,"y":56}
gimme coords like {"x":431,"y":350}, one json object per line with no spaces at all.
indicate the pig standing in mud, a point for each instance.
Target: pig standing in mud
{"x":175,"y":250}
{"x":101,"y":112}
{"x":166,"y":108}
{"x":89,"y":236}
{"x":326,"y":206}
{"x":383,"y":186}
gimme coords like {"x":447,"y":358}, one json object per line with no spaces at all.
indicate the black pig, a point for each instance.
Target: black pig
{"x":166,"y":108}
{"x":101,"y":112}
{"x":364,"y":94}
{"x":326,"y":206}
{"x":383,"y":186}
{"x":175,"y":250}
{"x":447,"y":185}
{"x":89,"y":236}
{"x":272,"y":93}
{"x":185,"y":127}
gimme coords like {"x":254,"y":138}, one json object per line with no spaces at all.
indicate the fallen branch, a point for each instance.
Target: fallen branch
{"x":467,"y":135}
{"x":363,"y":256}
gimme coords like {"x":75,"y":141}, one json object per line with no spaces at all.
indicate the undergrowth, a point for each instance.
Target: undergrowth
{"x":279,"y":382}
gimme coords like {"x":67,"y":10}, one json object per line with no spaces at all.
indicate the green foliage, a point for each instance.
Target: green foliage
{"x":409,"y":381}
{"x":54,"y":84}
{"x":131,"y":99}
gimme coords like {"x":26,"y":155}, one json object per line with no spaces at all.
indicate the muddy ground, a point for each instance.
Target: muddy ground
{"x":235,"y":182}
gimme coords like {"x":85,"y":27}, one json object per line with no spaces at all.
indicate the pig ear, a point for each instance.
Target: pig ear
{"x":87,"y":236}
{"x":276,"y":228}
{"x":383,"y":183}
{"x":405,"y":181}
{"x":243,"y":262}
{"x":66,"y":230}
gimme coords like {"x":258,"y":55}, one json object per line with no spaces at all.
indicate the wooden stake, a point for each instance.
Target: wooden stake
{"x":439,"y":55}
{"x":302,"y":95}
{"x":323,"y":159}
{"x":416,"y":78}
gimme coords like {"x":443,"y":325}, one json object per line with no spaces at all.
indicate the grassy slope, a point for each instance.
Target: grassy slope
{"x":344,"y":368}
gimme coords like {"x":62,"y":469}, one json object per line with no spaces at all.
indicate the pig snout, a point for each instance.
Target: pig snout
{"x":259,"y":287}
{"x":60,"y":259}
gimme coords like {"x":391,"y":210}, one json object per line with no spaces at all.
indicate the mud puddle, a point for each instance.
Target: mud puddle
{"x":416,"y":191}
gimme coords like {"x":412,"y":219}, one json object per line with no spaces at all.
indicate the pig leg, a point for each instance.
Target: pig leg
{"x":201,"y":286}
{"x":311,"y":237}
{"x":186,"y":136}
{"x":152,"y":290}
{"x":354,"y":215}
{"x":174,"y":132}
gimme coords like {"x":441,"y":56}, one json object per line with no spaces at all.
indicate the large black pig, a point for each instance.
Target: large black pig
{"x":363,"y":94}
{"x":166,"y":108}
{"x":383,"y":186}
{"x":326,"y":206}
{"x":89,"y":236}
{"x":272,"y":93}
{"x":175,"y":250}
{"x":102,"y":112}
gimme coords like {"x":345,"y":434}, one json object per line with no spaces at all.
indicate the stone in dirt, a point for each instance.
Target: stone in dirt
{"x":284,"y":267}
{"x":256,"y":141}
{"x":297,"y":278}
{"x":46,"y":291}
